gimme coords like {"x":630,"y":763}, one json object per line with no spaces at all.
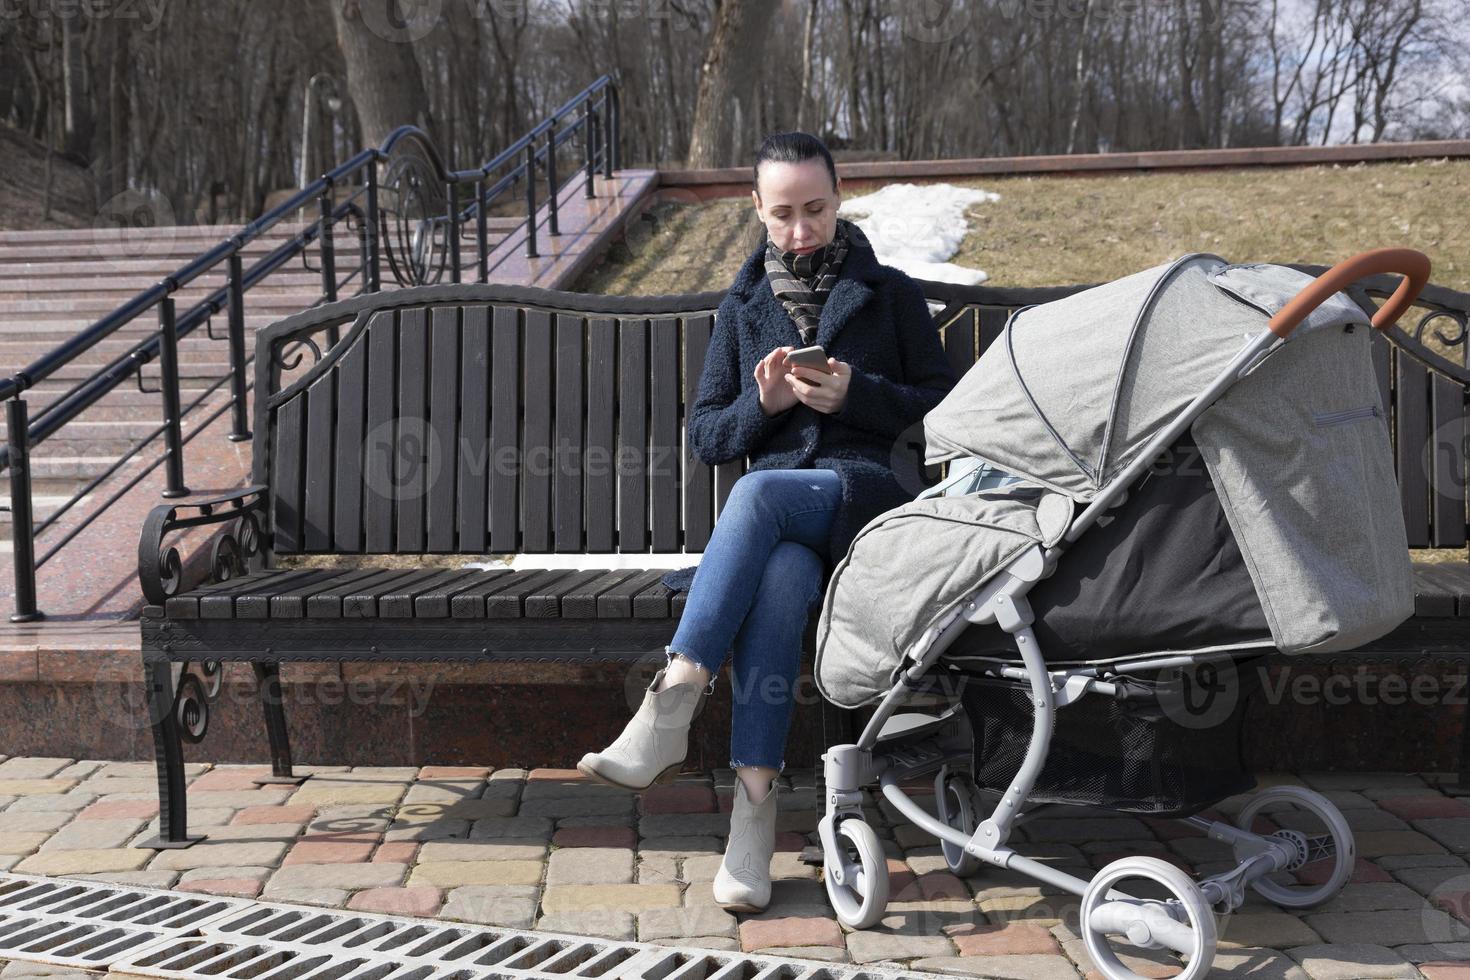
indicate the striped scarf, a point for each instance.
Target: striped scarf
{"x":802,"y":282}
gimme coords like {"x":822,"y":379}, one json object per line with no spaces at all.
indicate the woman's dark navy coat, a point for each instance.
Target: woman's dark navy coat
{"x":876,"y":320}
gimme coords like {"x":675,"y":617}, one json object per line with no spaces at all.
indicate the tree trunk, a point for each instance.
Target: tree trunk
{"x":77,"y":135}
{"x":383,"y":79}
{"x":737,"y":40}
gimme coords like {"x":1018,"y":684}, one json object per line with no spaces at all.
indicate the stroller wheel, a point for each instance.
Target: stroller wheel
{"x":1182,"y":922}
{"x":1320,"y":834}
{"x":861,"y":896}
{"x":955,"y":795}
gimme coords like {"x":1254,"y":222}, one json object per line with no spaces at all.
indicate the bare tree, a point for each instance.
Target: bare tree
{"x":383,"y":80}
{"x":734,"y":44}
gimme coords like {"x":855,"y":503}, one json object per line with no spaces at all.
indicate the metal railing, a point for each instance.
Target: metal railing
{"x":415,"y":212}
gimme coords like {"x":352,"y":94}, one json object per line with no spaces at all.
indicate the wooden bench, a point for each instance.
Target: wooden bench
{"x":472,"y":420}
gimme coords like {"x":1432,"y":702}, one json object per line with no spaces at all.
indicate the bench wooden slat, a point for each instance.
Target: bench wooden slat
{"x":473,"y":469}
{"x":327,"y":604}
{"x":286,"y":481}
{"x":186,"y":606}
{"x":220,"y":604}
{"x":546,"y":601}
{"x":1411,"y":392}
{"x":1456,"y":578}
{"x":602,"y":360}
{"x":991,"y":323}
{"x":652,"y":602}
{"x":410,"y":459}
{"x":699,"y":511}
{"x":664,"y":426}
{"x":505,"y":457}
{"x":253,"y":599}
{"x":434,"y":603}
{"x":361,"y":601}
{"x":960,"y":340}
{"x":633,"y":436}
{"x":1432,"y":598}
{"x":581,"y":602}
{"x":470,"y":603}
{"x":398,"y":601}
{"x":509,"y":602}
{"x":617,"y":602}
{"x":444,"y":450}
{"x":321,"y":409}
{"x":290,"y":603}
{"x":380,"y":449}
{"x":1447,"y":479}
{"x":536,"y":448}
{"x":567,"y":454}
{"x":1446,"y":588}
{"x":347,"y":456}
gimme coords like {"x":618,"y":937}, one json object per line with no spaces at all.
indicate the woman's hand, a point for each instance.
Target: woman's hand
{"x":823,"y":392}
{"x":776,"y":394}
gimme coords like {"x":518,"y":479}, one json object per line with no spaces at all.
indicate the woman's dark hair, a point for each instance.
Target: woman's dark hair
{"x":791,"y":148}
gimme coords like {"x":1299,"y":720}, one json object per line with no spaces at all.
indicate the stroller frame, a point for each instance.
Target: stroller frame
{"x":896,"y":748}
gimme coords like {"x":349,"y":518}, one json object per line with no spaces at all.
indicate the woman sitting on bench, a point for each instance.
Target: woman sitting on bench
{"x":828,"y":442}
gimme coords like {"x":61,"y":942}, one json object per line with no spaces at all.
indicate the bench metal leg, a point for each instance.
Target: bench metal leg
{"x":268,"y":682}
{"x":168,"y":755}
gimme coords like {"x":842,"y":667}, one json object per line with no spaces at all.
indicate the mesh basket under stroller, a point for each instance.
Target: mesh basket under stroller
{"x":1172,"y":748}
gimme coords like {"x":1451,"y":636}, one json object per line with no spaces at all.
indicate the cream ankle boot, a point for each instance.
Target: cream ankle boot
{"x":654,"y":742}
{"x":743,"y":883}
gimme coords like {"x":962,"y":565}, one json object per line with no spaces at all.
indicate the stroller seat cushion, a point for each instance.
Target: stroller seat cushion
{"x":909,"y":567}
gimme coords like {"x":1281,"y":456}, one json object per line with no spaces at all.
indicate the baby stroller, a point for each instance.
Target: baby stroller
{"x":1150,"y":490}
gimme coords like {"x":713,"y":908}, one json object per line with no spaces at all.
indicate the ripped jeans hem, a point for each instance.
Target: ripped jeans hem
{"x":670,"y":653}
{"x":737,"y":764}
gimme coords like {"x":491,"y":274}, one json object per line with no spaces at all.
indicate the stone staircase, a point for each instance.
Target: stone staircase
{"x":55,"y":283}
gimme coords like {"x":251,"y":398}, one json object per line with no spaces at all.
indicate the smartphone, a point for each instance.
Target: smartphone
{"x":810,"y":357}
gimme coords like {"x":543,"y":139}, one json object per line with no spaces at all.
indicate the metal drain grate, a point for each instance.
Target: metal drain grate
{"x":91,"y":924}
{"x":182,"y":936}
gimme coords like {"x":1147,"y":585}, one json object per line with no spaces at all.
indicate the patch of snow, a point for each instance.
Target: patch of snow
{"x":918,"y":227}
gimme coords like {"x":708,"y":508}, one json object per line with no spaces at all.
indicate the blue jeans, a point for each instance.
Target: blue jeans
{"x":754,"y":589}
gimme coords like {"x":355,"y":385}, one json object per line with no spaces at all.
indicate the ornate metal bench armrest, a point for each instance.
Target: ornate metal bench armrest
{"x":161,"y":569}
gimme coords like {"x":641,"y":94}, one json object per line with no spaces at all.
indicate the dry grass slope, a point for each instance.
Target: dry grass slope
{"x":1057,"y":230}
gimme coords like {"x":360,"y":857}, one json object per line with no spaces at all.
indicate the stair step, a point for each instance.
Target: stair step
{"x":23,"y":284}
{"x":56,"y":308}
{"x":50,"y":332}
{"x":43,"y":505}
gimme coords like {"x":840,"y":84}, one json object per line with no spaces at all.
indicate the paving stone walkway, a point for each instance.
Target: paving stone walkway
{"x":547,"y":849}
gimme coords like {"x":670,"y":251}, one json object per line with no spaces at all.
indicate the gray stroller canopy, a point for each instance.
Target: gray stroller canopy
{"x":1298,"y":449}
{"x":1081,"y":383}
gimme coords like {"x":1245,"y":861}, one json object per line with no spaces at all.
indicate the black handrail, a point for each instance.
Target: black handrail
{"x":403,"y":153}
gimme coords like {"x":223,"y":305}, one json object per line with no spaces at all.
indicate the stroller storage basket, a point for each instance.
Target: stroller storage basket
{"x":1171,"y":748}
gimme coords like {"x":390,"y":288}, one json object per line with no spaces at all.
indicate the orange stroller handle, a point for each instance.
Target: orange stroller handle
{"x":1414,"y":266}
